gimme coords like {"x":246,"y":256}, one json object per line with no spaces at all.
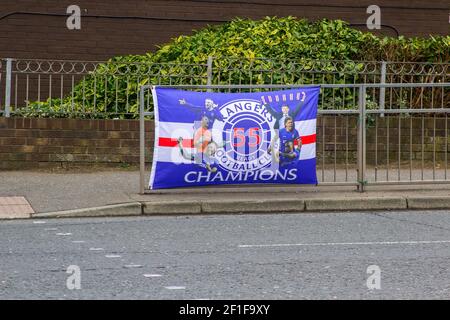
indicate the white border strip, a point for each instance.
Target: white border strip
{"x":155,"y":147}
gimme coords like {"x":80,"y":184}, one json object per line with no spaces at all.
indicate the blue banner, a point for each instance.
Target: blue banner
{"x":205,"y":138}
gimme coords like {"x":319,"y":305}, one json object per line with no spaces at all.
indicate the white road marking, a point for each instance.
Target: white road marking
{"x":112,"y":256}
{"x":96,"y":249}
{"x":39,"y":222}
{"x":342,"y":244}
{"x":133,"y":266}
{"x":175,"y":288}
{"x":152,"y":275}
{"x":63,"y":234}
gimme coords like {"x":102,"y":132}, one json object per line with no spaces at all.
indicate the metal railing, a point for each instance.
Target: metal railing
{"x":80,"y":88}
{"x":401,"y":140}
{"x":110,"y":89}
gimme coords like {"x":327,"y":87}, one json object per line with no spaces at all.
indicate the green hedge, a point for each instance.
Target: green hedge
{"x":286,"y":40}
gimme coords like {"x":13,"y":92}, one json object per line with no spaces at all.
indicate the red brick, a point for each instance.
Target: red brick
{"x":124,"y":125}
{"x":37,"y":141}
{"x":101,"y":125}
{"x":12,"y":141}
{"x":26,"y":133}
{"x":50,"y":149}
{"x":109,"y":125}
{"x":14,"y":149}
{"x":7,"y":132}
{"x":18,"y":123}
{"x":114,"y":135}
{"x":129,"y":143}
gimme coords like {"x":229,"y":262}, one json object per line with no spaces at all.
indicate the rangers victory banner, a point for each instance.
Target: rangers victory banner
{"x":204,"y":138}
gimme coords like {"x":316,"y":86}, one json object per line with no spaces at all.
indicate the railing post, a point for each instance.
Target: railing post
{"x":362,"y":138}
{"x":8,"y":87}
{"x":209,"y":72}
{"x":382,"y":89}
{"x":141,"y":141}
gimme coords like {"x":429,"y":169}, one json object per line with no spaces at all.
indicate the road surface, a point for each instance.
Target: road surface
{"x":284,"y":256}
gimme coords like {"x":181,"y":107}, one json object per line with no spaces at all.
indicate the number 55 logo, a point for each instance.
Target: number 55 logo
{"x":240,"y":135}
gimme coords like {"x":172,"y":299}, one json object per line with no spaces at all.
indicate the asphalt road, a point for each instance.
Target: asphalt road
{"x":288,"y":256}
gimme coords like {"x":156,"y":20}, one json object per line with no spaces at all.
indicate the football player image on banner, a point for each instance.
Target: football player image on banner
{"x":206,"y":138}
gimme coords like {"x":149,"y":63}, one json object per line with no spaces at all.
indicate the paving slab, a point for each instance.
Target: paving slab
{"x":15,"y":208}
{"x":122,"y":210}
{"x":349,"y":204}
{"x":429,"y":202}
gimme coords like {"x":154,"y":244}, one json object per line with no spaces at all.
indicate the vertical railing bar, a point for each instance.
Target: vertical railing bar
{"x":334,"y":91}
{"x":27,"y":90}
{"x":432,"y":97}
{"x":361,"y":138}
{"x":401,"y":93}
{"x":62,"y":91}
{"x":446,"y":146}
{"x":147,"y":105}
{"x":8,"y":87}
{"x":50,"y":89}
{"x":376,"y":148}
{"x":116,"y":84}
{"x":411,"y":105}
{"x":73,"y":93}
{"x":434,"y":147}
{"x":335,"y":145}
{"x":95,"y":93}
{"x":106,"y":94}
{"x":423,"y":143}
{"x":391,"y":90}
{"x":127,"y":93}
{"x":39,"y":87}
{"x":421,"y":95}
{"x":343,"y":94}
{"x":138,"y":90}
{"x":250,"y":77}
{"x":16,"y":82}
{"x":388,"y":117}
{"x":84,"y":94}
{"x":399,"y":145}
{"x":382,"y":89}
{"x":323,"y":95}
{"x":410,"y":146}
{"x":346,"y":148}
{"x":323,"y":147}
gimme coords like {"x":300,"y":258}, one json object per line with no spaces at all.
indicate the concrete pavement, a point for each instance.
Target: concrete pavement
{"x":114,"y":192}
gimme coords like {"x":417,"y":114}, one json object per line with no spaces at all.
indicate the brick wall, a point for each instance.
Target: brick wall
{"x":157,"y":21}
{"x":34,"y":143}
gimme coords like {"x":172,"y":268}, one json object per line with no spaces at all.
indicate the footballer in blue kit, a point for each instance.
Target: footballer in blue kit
{"x":209,"y":110}
{"x":289,"y":152}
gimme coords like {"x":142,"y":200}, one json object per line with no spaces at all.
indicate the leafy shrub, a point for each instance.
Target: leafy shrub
{"x":287,"y":43}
